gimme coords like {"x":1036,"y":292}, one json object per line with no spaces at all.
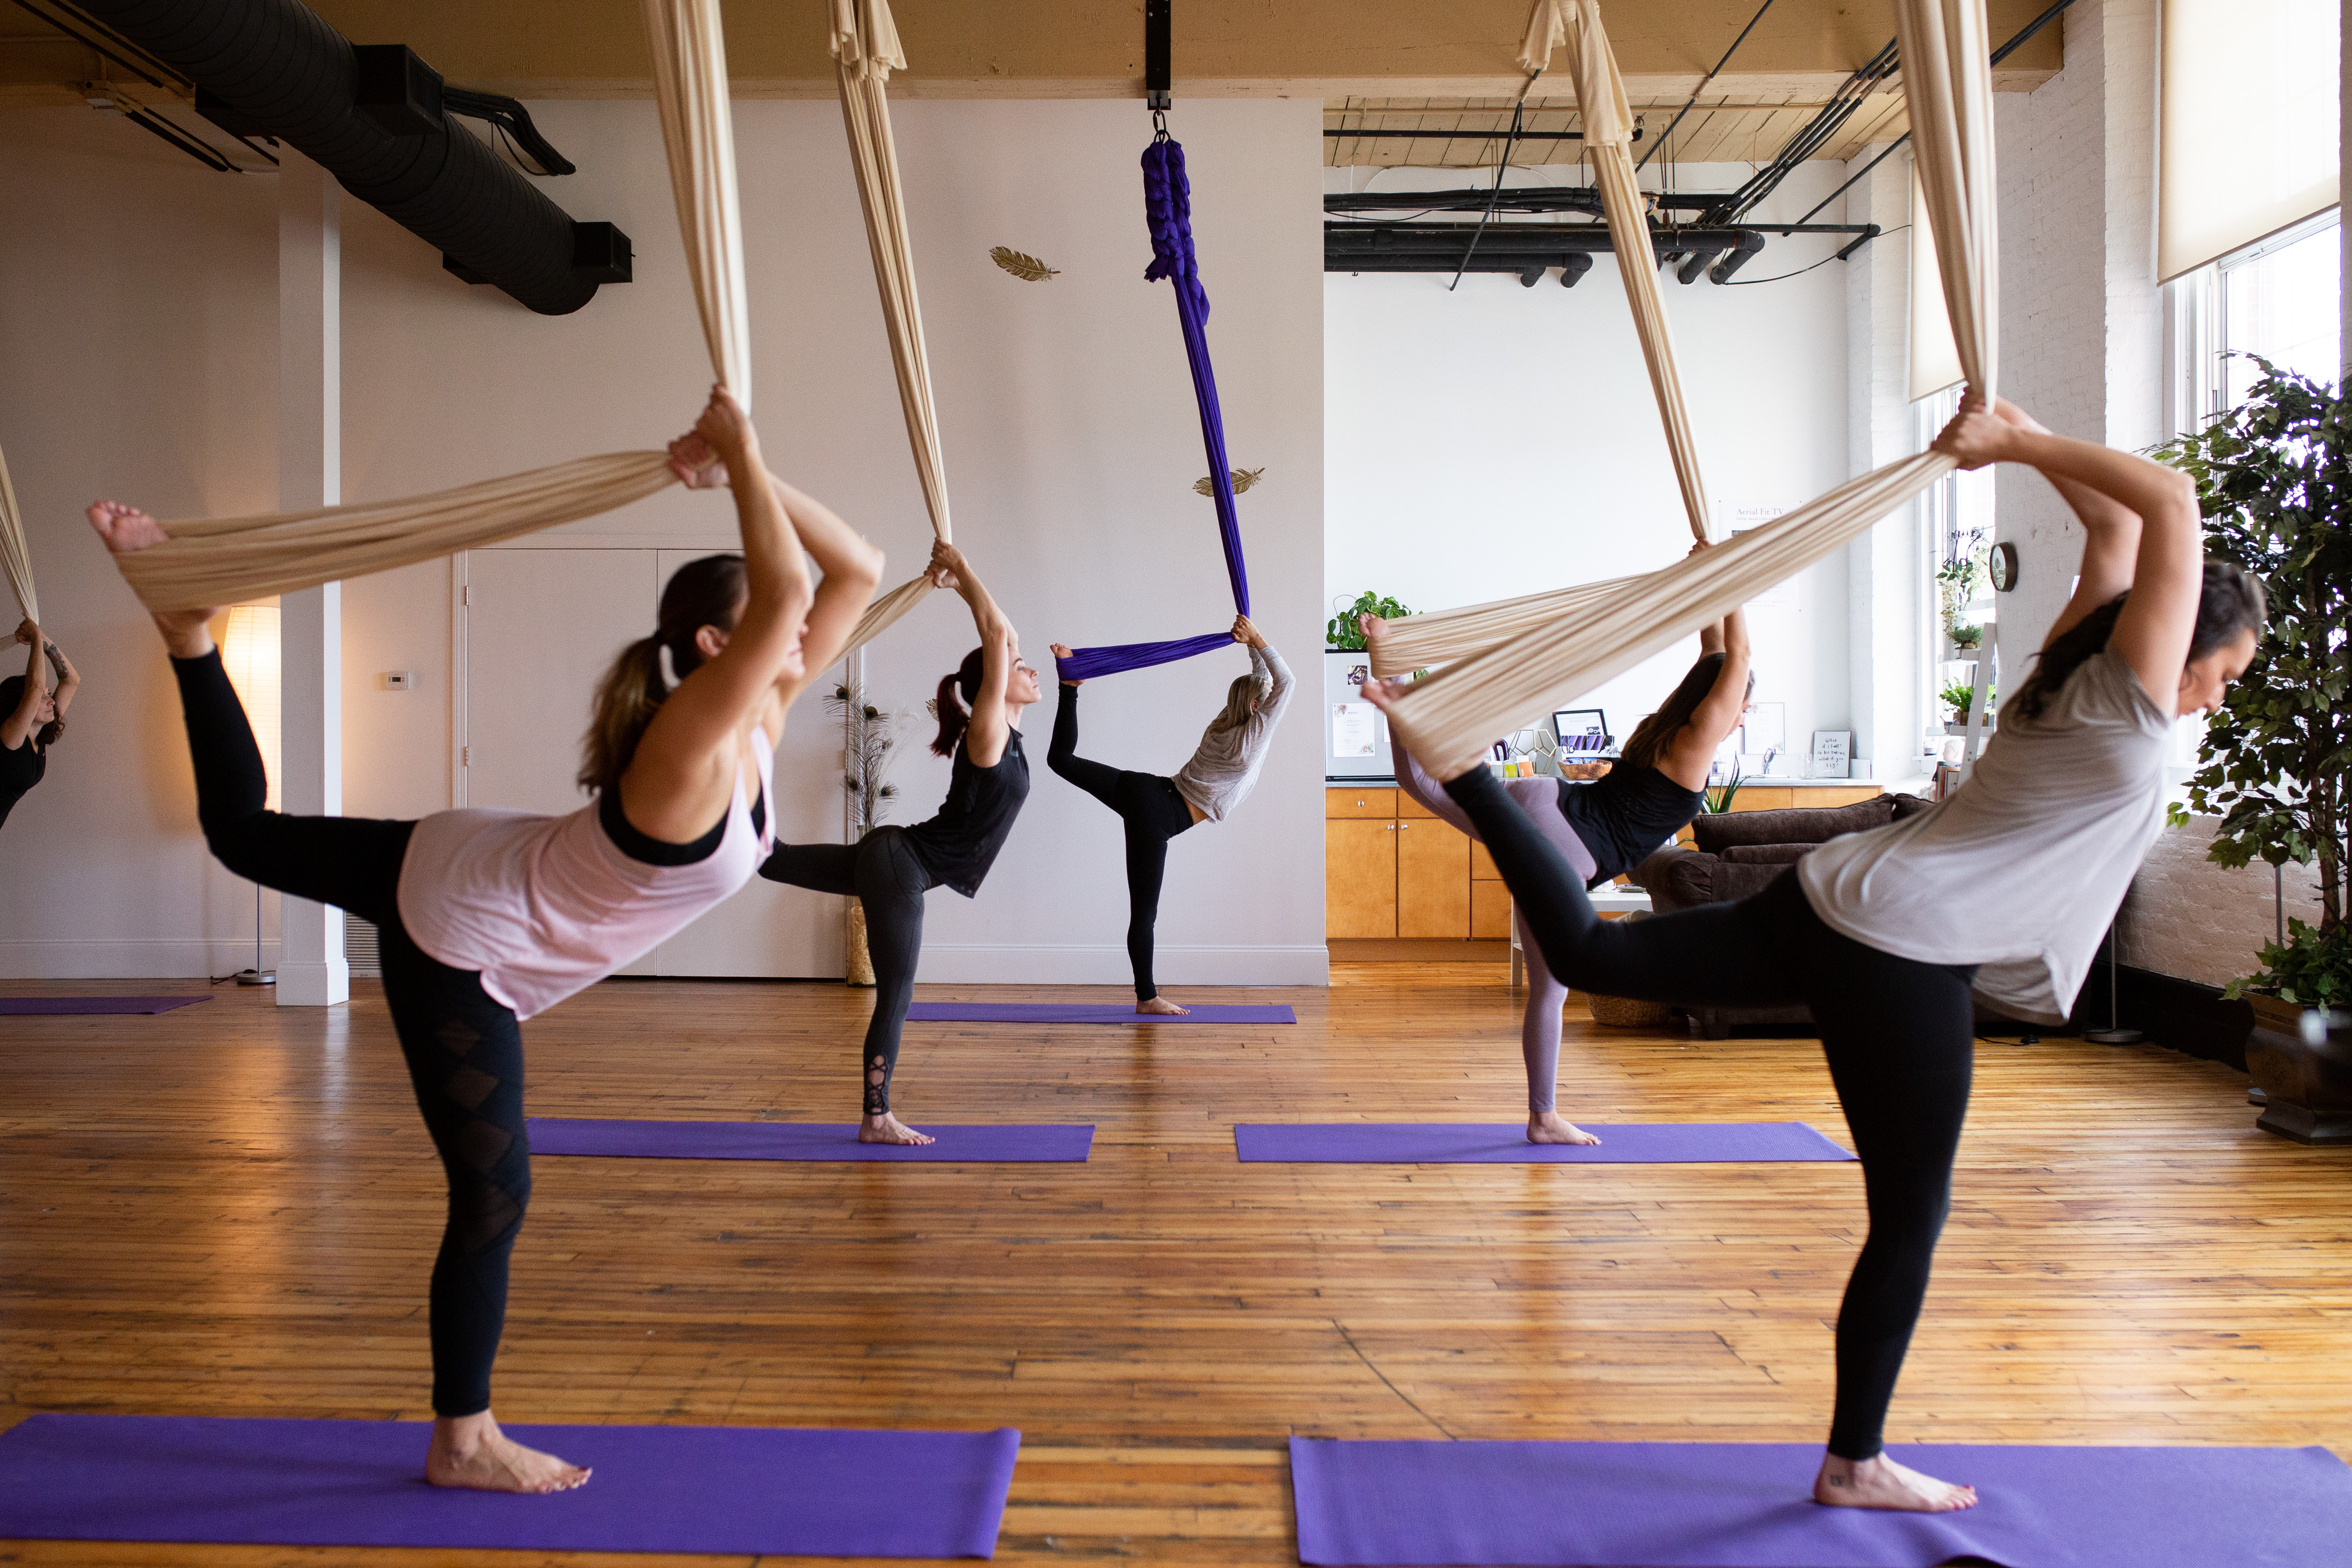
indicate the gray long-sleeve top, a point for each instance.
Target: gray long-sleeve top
{"x":1225,"y":770}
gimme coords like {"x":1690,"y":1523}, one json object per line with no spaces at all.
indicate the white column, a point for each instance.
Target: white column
{"x":311,"y":968}
{"x":1884,"y":572}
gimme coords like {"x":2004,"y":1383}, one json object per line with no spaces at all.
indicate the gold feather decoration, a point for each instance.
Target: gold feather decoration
{"x":1242,"y":480}
{"x":1028,"y":269}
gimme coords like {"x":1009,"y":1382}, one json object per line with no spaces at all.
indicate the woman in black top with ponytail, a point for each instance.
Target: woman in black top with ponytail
{"x":32,"y":716}
{"x":891,"y":869}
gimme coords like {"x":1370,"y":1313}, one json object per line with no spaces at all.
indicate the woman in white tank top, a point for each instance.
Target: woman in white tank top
{"x":488,"y":917}
{"x":2037,"y":847}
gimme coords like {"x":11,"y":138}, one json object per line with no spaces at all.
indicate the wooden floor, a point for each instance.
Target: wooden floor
{"x":231,"y":1209}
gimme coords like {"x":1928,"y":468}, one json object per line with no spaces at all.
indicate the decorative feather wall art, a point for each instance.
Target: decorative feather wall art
{"x":1242,"y":480}
{"x":1028,"y":269}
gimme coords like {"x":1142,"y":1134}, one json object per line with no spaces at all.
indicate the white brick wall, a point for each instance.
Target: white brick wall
{"x":2188,"y":917}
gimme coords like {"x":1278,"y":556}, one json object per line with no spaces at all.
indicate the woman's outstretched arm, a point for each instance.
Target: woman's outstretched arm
{"x":1690,"y":755}
{"x":1000,"y":646}
{"x":69,"y":678}
{"x":24,"y":718}
{"x":683,"y":773}
{"x":852,"y":567}
{"x":2148,"y":537}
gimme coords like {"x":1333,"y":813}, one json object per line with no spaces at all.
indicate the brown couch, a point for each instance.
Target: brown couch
{"x":1738,"y":854}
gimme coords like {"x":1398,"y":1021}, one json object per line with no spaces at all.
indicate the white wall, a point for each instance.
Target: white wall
{"x":137,"y":360}
{"x":1066,"y":415}
{"x":1498,"y":439}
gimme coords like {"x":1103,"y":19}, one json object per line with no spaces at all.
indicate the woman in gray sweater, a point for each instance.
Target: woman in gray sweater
{"x":1156,"y":808}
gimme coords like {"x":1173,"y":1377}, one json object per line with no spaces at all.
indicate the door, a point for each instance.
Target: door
{"x":541,"y":626}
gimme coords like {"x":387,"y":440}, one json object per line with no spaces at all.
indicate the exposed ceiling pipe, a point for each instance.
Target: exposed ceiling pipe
{"x":274,"y":67}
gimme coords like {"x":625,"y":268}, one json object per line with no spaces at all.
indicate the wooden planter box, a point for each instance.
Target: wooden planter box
{"x":2307,"y":1088}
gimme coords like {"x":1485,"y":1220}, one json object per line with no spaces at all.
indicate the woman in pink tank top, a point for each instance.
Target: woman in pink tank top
{"x":486,"y":916}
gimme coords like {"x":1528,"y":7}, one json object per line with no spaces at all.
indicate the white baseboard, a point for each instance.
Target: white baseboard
{"x":162,"y":958}
{"x":1016,"y":963}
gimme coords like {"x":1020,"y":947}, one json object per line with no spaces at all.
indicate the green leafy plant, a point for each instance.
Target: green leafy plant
{"x":1960,"y":693}
{"x":1717,"y":799}
{"x":1968,"y":633}
{"x":2274,"y":483}
{"x":2309,"y":968}
{"x":869,"y":738}
{"x":1342,"y":635}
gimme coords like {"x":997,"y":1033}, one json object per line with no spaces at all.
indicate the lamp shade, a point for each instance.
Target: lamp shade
{"x":250,"y":654}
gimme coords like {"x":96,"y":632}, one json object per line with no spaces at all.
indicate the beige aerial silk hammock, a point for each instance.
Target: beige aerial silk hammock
{"x":1538,"y":653}
{"x":15,"y":561}
{"x":219,"y":561}
{"x":866,"y":51}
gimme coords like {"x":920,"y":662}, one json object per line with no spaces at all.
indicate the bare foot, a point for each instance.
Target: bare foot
{"x":1551,"y":1127}
{"x":1880,"y":1482}
{"x":1062,"y":652}
{"x":470,"y":1451}
{"x":125,"y":531}
{"x":888,"y":1129}
{"x":1163,"y":1005}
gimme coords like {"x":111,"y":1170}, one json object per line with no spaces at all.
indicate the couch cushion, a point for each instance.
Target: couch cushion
{"x":1767,"y":854}
{"x":1801,"y":824}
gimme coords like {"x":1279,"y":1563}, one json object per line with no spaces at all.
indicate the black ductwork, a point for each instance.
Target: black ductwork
{"x":274,"y":67}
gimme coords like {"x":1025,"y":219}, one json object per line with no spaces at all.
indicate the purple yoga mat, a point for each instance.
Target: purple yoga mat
{"x":1506,"y":1144}
{"x":21,"y":1004}
{"x":1088,"y":1013}
{"x":732,"y":1490}
{"x":617,"y":1140}
{"x":1749,"y":1505}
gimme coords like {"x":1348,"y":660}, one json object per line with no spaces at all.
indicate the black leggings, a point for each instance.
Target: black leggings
{"x":1154,"y":812}
{"x":1899,"y":1036}
{"x":889,"y":880}
{"x":464,"y":1050}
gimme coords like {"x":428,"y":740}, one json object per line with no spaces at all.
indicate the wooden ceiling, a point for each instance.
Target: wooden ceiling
{"x":1395,"y":64}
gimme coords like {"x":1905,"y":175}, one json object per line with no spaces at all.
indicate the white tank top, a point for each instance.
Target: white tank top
{"x":2021,"y":867}
{"x":547,"y":906}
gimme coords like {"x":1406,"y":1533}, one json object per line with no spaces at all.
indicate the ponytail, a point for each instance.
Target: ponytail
{"x":709,"y":592}
{"x":955,"y":717}
{"x":2228,"y":604}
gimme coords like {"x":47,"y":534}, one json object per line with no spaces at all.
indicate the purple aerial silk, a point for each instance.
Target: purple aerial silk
{"x":1168,"y":209}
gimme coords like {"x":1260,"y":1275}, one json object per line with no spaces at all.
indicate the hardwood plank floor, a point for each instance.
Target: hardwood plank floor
{"x":230,"y":1209}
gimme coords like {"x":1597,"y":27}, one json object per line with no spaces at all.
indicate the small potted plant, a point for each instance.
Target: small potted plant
{"x":2276,"y":761}
{"x":1967,"y":636}
{"x":1960,"y":696}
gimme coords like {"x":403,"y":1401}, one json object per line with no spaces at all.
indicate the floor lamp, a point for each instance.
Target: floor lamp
{"x":250,"y":655}
{"x":2115,"y":1034}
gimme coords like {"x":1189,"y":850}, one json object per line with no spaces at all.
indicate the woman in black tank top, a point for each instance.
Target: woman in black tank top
{"x":1657,"y":785}
{"x":32,"y":716}
{"x":891,"y":869}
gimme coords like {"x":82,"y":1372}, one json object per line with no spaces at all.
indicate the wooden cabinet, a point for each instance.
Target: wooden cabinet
{"x":1393,"y":868}
{"x":1490,"y":901}
{"x":1433,"y":879}
{"x":1359,"y":881}
{"x":1780,"y":797}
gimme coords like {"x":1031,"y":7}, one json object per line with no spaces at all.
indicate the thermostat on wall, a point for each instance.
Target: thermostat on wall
{"x":398,"y":680}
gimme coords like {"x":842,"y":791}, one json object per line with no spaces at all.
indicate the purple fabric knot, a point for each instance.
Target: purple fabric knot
{"x":1168,"y":213}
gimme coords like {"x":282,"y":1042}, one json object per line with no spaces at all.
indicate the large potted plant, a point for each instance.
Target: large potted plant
{"x":2274,"y":482}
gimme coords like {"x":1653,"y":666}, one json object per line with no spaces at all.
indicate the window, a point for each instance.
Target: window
{"x":1957,"y":519}
{"x":2281,"y":300}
